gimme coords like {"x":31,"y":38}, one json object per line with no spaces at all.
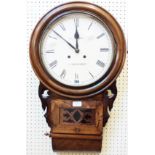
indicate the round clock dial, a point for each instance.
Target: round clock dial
{"x":77,"y":49}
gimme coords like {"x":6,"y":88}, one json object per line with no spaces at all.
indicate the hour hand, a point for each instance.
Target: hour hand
{"x":76,"y":36}
{"x":64,"y":40}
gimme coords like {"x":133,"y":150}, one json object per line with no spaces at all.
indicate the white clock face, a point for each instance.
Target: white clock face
{"x":77,"y":49}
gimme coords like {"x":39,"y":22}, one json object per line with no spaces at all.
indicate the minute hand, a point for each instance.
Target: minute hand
{"x":64,"y":40}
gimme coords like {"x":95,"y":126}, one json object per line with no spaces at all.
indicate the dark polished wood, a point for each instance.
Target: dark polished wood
{"x":101,"y":84}
{"x":77,"y":128}
{"x":76,"y":143}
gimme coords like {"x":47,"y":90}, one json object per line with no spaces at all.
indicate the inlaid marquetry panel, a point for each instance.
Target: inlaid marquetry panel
{"x":84,"y":116}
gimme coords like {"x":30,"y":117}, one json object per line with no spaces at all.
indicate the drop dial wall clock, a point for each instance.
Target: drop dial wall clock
{"x":77,"y":51}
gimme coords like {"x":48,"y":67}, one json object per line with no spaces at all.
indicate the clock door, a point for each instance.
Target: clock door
{"x":76,"y":117}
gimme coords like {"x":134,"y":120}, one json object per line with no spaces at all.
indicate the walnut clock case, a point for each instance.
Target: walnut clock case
{"x":77,"y":51}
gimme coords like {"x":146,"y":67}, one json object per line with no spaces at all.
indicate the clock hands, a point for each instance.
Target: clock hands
{"x":65,"y":40}
{"x":76,"y":36}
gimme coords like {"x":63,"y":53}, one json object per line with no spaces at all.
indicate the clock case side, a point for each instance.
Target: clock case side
{"x":77,"y":135}
{"x":107,"y":98}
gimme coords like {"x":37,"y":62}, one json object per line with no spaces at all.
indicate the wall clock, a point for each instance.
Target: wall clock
{"x":77,"y":51}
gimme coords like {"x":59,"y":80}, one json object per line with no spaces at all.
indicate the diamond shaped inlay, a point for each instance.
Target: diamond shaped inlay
{"x":77,"y":115}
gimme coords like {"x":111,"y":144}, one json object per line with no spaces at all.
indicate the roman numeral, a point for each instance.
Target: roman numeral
{"x":91,"y":75}
{"x":62,"y":26}
{"x":52,"y":37}
{"x":100,"y":63}
{"x":76,"y":21}
{"x":50,"y":51}
{"x":53,"y":64}
{"x":90,"y":25}
{"x":63,"y":74}
{"x":104,"y":49}
{"x":101,"y":35}
{"x":76,"y":78}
